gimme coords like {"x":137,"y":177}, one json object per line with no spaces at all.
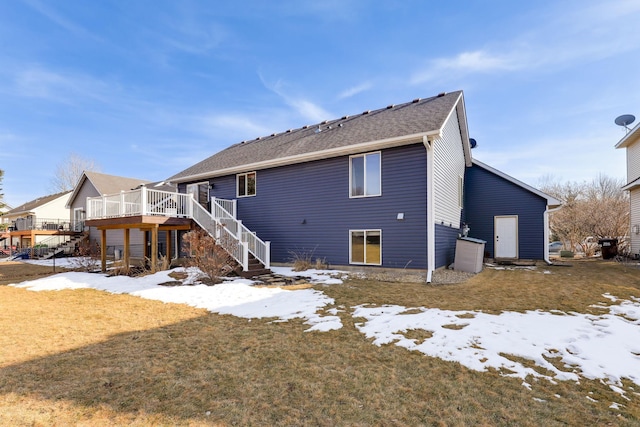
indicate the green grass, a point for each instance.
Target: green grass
{"x":90,"y":358}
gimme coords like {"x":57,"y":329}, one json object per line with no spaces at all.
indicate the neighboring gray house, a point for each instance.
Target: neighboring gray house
{"x":93,"y":184}
{"x":631,"y":142}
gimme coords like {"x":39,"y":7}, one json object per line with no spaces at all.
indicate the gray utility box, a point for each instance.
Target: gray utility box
{"x":469,"y":255}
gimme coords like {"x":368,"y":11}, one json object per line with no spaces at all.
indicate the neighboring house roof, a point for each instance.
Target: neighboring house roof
{"x":632,"y":185}
{"x":394,"y":125}
{"x":632,"y":136}
{"x":552,"y":202}
{"x":34,"y":204}
{"x":5,"y":208}
{"x":106,"y":184}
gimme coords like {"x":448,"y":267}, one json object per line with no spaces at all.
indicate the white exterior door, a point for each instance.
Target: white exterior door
{"x":506,"y":236}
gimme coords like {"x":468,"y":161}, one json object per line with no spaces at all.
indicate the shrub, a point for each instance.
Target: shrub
{"x":205,"y":254}
{"x":302,"y":259}
{"x":86,"y":258}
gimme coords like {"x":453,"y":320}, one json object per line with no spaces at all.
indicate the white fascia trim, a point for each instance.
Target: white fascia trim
{"x":630,"y":137}
{"x":464,"y":128}
{"x":551,"y":201}
{"x":317,"y":155}
{"x":76,"y":189}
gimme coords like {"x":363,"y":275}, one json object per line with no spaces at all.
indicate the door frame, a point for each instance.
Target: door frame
{"x":496,"y":218}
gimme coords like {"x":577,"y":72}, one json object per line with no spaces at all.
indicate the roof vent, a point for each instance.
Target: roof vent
{"x":325,"y":122}
{"x":318,"y":130}
{"x":340,"y":125}
{"x":273,"y":134}
{"x":258,"y":138}
{"x":366,"y":112}
{"x":441,"y":94}
{"x":416,"y":100}
{"x":305,"y":127}
{"x":288,"y":130}
{"x":345,"y":117}
{"x":390,"y":106}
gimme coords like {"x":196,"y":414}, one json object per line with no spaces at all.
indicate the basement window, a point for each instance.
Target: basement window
{"x":365,"y":247}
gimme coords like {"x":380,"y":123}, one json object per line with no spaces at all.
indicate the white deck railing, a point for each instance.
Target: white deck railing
{"x":139,"y":202}
{"x":221,"y":224}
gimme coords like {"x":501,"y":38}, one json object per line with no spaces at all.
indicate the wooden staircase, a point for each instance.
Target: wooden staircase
{"x":256,"y":268}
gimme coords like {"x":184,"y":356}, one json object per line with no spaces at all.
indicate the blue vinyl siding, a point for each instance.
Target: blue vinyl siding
{"x":306,"y":207}
{"x":446,"y":238}
{"x":487,"y":195}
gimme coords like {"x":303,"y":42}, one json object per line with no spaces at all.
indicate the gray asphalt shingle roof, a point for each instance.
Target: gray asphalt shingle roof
{"x":416,"y":117}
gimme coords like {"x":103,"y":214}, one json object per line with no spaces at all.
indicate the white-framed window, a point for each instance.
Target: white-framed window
{"x":246,"y":184}
{"x":365,"y":175}
{"x":365,"y":247}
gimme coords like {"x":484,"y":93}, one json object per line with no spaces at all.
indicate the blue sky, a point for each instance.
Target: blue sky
{"x":148,"y":88}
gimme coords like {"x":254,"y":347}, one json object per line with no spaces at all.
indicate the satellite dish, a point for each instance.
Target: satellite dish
{"x":625,"y":120}
{"x":473,"y":143}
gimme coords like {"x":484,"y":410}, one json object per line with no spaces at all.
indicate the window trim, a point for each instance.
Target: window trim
{"x":255,"y":180}
{"x":365,"y":231}
{"x":364,"y":156}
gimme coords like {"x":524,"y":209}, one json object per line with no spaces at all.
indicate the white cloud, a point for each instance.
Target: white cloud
{"x":352,"y":91}
{"x":559,"y":38}
{"x":60,"y":20}
{"x":301,"y":105}
{"x":39,"y":82}
{"x":231,"y":125}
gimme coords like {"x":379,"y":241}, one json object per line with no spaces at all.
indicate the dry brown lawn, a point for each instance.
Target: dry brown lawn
{"x":84,"y":357}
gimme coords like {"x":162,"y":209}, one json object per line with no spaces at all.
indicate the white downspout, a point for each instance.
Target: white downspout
{"x":431,"y":229}
{"x":547,"y":211}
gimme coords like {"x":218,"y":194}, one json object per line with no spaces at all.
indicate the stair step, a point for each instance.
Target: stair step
{"x":252,"y":273}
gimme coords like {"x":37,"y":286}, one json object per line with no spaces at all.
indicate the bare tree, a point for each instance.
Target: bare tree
{"x":597,"y":209}
{"x":2,"y":204}
{"x":69,"y":171}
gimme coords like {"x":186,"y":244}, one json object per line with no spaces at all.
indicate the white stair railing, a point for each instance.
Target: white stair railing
{"x":259,"y":248}
{"x":224,"y":237}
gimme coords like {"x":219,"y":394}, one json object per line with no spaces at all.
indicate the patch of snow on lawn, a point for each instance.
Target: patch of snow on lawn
{"x":595,"y":347}
{"x":236,"y":297}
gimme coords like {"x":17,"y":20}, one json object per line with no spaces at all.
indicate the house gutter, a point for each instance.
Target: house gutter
{"x":431,"y":229}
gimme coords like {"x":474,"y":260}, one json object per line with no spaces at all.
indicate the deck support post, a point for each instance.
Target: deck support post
{"x":127,"y":252}
{"x":154,"y":248}
{"x":103,"y":250}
